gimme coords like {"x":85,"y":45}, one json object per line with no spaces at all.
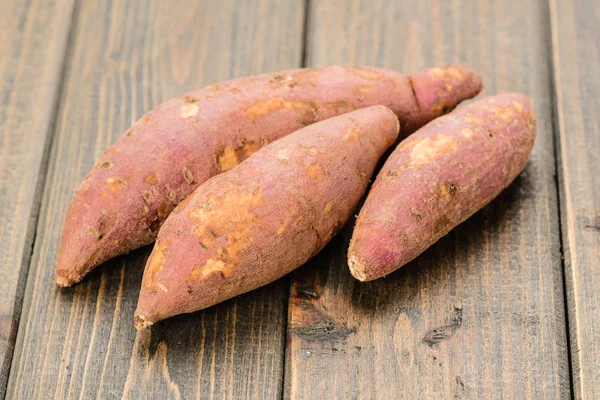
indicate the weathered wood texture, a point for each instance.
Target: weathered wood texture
{"x":481,"y":313}
{"x":576,"y":51}
{"x":33,"y":40}
{"x":128,"y":56}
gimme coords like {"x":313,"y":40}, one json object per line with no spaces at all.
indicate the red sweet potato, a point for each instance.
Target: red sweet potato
{"x":180,"y":144}
{"x":251,"y":225}
{"x":439,"y":177}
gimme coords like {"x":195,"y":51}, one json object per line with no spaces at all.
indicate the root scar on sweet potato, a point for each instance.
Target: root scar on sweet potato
{"x":310,"y":109}
{"x":216,"y":220}
{"x":352,"y":134}
{"x":116,"y":184}
{"x":315,"y":171}
{"x":189,"y":110}
{"x":188,"y":175}
{"x":230,"y":156}
{"x":429,"y":148}
{"x":155,"y":265}
{"x":151,"y":179}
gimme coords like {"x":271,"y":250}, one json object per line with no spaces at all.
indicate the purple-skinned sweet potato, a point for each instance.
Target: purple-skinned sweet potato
{"x":183,"y":142}
{"x":439,"y":177}
{"x":251,"y":225}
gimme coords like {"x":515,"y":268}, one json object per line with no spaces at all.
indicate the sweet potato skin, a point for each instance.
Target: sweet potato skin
{"x":250,"y":226}
{"x":183,"y":142}
{"x":439,"y":177}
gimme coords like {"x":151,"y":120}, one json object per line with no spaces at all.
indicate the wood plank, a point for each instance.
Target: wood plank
{"x":127,"y":57}
{"x":32,"y":48}
{"x":481,"y":313}
{"x":576,"y":54}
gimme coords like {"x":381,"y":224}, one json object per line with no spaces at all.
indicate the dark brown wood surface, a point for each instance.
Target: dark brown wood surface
{"x":480,"y":314}
{"x":33,"y":39}
{"x":126,"y":57}
{"x":576,"y":56}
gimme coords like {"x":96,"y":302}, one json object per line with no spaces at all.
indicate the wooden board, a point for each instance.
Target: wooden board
{"x":32,"y":46}
{"x":576,"y":55}
{"x":481,"y":313}
{"x":128,"y":56}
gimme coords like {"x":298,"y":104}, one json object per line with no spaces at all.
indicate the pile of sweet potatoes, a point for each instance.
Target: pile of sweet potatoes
{"x":243,"y":181}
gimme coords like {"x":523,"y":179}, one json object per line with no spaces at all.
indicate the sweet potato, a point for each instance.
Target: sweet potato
{"x":251,"y":225}
{"x":180,"y":144}
{"x":439,"y":177}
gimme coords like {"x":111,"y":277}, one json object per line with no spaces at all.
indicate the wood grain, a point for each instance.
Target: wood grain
{"x":481,"y":313}
{"x":128,"y":56}
{"x":32,"y":47}
{"x":576,"y":51}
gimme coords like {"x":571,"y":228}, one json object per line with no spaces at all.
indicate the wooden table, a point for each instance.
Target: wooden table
{"x":506,"y":306}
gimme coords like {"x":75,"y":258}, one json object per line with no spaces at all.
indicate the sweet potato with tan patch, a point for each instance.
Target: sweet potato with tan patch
{"x":251,"y":225}
{"x":180,"y":144}
{"x":439,"y":177}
